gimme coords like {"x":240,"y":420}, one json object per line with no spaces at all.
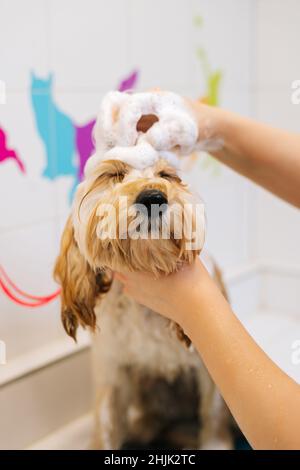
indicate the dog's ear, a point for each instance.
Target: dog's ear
{"x":80,"y":285}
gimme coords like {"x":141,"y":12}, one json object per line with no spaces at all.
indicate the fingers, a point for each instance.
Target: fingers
{"x":129,"y":276}
{"x":123,"y":280}
{"x":105,"y":132}
{"x":164,"y":118}
{"x":127,"y":288}
{"x":176,"y":129}
{"x":119,"y":115}
{"x":120,"y":277}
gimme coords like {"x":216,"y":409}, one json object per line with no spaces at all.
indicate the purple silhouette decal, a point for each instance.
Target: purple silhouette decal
{"x":6,"y":153}
{"x":129,"y":82}
{"x":84,"y":144}
{"x":70,"y":139}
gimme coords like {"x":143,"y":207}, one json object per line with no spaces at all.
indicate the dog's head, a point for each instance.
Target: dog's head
{"x":124,"y":218}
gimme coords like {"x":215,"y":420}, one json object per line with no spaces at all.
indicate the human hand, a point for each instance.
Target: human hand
{"x":173,"y":296}
{"x":167,"y":120}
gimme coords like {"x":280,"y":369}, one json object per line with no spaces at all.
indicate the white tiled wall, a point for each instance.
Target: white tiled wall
{"x":89,"y":45}
{"x":278,"y":65}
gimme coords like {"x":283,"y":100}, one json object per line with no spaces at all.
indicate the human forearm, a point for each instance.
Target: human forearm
{"x":264,"y":401}
{"x":262,"y":398}
{"x":268,"y":156}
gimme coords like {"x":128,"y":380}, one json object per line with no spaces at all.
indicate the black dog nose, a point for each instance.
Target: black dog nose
{"x":150,"y":197}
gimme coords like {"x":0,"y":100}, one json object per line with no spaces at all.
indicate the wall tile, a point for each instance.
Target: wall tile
{"x":227,"y":36}
{"x":278,"y":46}
{"x":88,"y":43}
{"x":23,"y":41}
{"x":28,"y":256}
{"x":160,"y":43}
{"x":27,"y":196}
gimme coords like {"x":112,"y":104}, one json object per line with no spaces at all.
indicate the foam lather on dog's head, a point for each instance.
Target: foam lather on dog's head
{"x":139,"y":156}
{"x":117,"y":136}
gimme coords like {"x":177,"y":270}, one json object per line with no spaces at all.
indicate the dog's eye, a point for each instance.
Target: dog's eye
{"x":117,"y":176}
{"x":169,"y":176}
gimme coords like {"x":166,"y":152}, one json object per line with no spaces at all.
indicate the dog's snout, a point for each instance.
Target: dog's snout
{"x":152,"y":197}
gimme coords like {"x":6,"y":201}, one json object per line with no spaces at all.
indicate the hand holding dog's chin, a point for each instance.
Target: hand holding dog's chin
{"x":173,"y":296}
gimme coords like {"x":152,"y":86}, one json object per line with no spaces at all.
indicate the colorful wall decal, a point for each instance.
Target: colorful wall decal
{"x":7,"y":153}
{"x":213,"y":79}
{"x":67,"y":145}
{"x":84,"y":144}
{"x":55,"y":128}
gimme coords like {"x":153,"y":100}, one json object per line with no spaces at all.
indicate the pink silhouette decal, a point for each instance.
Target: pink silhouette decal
{"x":6,"y":153}
{"x":83,"y":134}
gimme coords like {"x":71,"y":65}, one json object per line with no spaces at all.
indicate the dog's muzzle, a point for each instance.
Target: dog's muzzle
{"x":153,"y":200}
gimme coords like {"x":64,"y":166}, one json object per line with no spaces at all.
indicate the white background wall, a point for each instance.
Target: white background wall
{"x":278,"y":65}
{"x":89,"y":46}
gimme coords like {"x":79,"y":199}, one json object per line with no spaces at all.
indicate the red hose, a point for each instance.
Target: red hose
{"x":38,"y":301}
